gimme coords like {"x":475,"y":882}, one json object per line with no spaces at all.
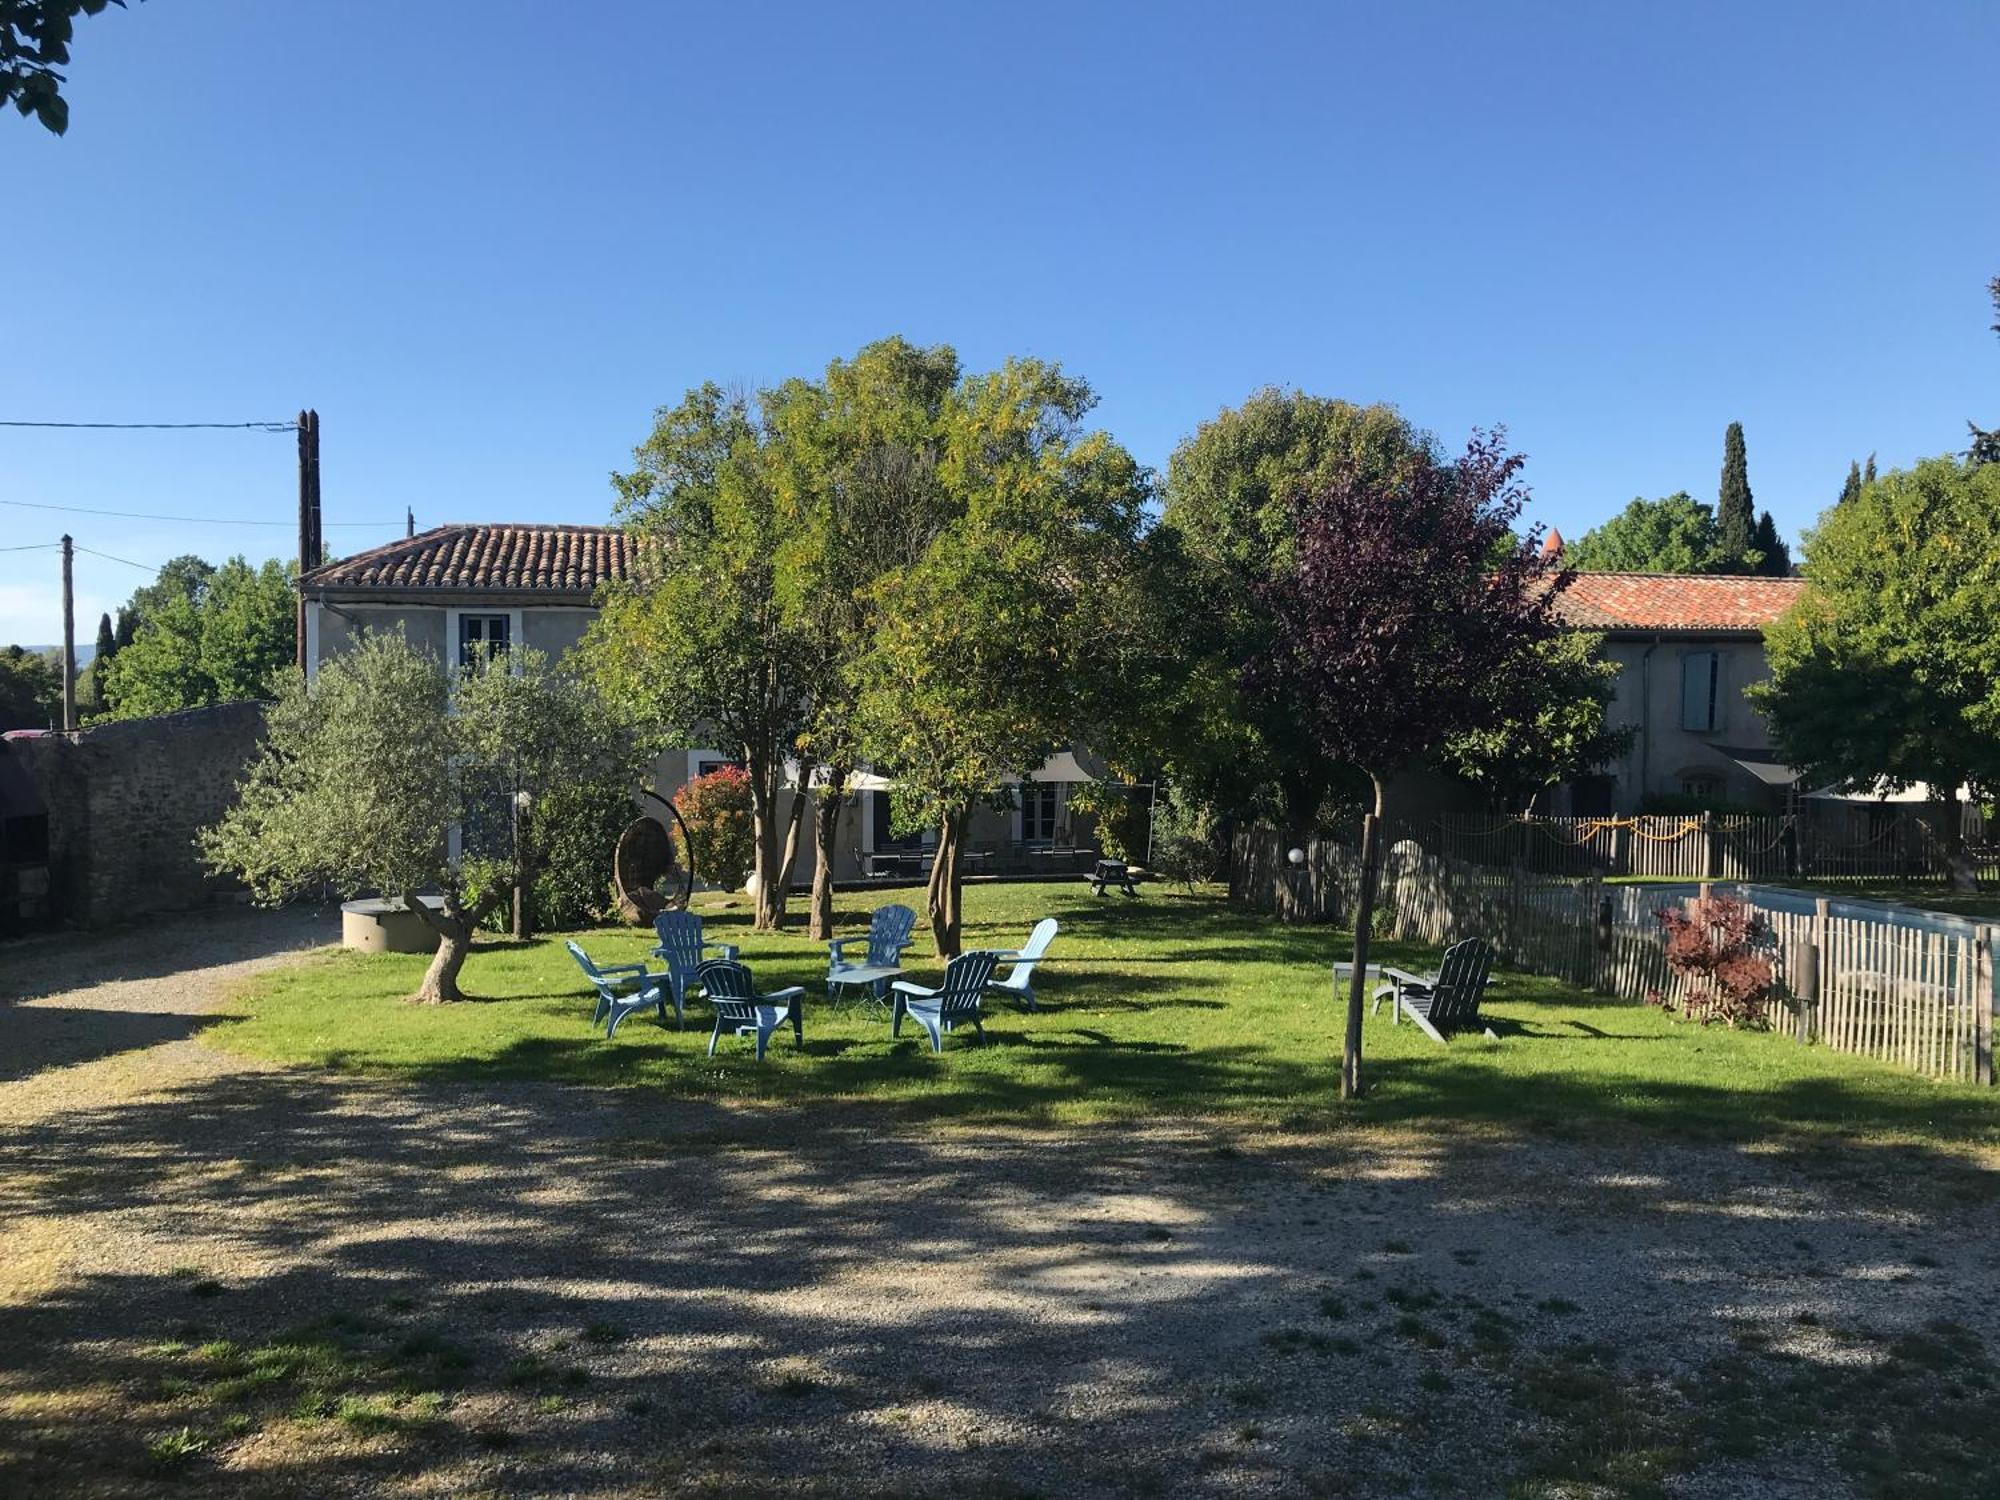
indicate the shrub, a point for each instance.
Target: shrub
{"x":1187,"y":838}
{"x":1721,"y":949}
{"x":716,"y":810}
{"x":576,"y":830}
{"x":1122,"y":812}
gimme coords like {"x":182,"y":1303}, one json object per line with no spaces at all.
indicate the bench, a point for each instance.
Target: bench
{"x":1113,"y":872}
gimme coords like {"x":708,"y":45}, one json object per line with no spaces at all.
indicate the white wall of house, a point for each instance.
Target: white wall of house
{"x":1683,"y":694}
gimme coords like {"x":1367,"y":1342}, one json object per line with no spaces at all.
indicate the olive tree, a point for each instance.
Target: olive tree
{"x":388,"y":772}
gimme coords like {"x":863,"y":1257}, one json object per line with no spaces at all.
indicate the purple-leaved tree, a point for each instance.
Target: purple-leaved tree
{"x":1411,"y":615}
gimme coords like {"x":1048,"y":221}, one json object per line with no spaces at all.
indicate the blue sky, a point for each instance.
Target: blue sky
{"x":486,"y":240}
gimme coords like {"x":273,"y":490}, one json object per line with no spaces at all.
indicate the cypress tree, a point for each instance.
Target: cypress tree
{"x":100,"y":660}
{"x":1853,"y":486}
{"x":128,"y":626}
{"x":1776,"y":559}
{"x":1735,"y":516}
{"x":1868,"y":474}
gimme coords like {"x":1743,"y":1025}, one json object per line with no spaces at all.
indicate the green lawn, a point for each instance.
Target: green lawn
{"x":1170,"y":1006}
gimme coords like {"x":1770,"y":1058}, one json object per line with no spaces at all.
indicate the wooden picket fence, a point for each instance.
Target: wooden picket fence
{"x":1919,"y":997}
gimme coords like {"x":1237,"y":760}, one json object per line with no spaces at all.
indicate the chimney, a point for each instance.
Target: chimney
{"x":1552,"y":545}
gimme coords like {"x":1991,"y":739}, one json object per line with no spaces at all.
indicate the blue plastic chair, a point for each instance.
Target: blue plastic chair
{"x":889,"y":933}
{"x":685,"y":950}
{"x":950,"y":1004}
{"x":622,"y":989}
{"x":728,"y":987}
{"x":1020,"y":981}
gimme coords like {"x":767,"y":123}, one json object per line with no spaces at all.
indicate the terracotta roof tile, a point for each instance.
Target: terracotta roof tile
{"x":569,"y":560}
{"x":1676,"y":601}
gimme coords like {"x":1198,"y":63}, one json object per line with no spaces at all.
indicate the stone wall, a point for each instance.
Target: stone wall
{"x":125,"y":799}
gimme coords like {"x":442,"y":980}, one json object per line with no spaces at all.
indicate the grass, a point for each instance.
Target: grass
{"x":1173,"y":1005}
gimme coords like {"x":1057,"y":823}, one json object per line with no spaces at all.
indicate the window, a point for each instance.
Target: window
{"x":1701,"y":691}
{"x":1703,"y":785}
{"x":1040,"y":803}
{"x":482,"y":637}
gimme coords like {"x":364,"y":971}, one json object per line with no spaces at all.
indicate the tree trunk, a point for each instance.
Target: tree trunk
{"x":826,"y":844}
{"x":1961,"y":874}
{"x":1351,"y":1086}
{"x":453,"y":925}
{"x":943,"y":897}
{"x":794,"y":825}
{"x":769,"y":902}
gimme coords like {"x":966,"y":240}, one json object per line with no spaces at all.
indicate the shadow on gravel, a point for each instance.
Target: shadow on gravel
{"x":37,"y":967}
{"x":549,"y":1290}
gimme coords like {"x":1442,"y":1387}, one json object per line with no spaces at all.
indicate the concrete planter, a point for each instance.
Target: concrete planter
{"x":381,"y":924}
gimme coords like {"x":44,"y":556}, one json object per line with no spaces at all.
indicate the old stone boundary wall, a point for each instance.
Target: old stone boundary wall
{"x":125,"y":799}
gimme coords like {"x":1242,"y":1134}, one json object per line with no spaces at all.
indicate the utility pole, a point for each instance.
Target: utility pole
{"x":311,"y":548}
{"x":69,"y":638}
{"x":409,"y":522}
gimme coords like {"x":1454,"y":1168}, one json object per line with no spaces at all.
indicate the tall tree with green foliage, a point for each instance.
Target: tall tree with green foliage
{"x":1852,"y":486}
{"x":862,"y":456}
{"x":995,"y":646}
{"x":1887,"y":671}
{"x":100,"y":661}
{"x":1228,"y":500}
{"x":30,"y":689}
{"x":1735,"y":512}
{"x":699,"y":645}
{"x":1549,"y":727}
{"x":1774,"y":558}
{"x":368,"y":770}
{"x":206,"y":635}
{"x":1676,"y":534}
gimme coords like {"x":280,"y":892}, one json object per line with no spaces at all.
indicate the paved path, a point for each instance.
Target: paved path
{"x":537,"y":1290}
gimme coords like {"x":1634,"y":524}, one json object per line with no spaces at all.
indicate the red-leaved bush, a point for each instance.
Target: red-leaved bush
{"x":716,"y":810}
{"x":1721,"y":948}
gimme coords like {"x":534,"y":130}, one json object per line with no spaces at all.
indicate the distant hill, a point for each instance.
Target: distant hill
{"x":84,"y":652}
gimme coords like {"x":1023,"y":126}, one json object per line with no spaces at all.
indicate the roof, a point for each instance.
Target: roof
{"x":570,"y":561}
{"x":1676,"y":601}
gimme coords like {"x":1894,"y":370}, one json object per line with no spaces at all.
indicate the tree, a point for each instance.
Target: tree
{"x":1985,"y":448}
{"x":1676,"y":534}
{"x":1868,"y":471}
{"x":997,"y":644}
{"x":100,"y":661}
{"x":1735,"y":513}
{"x":1853,"y":485}
{"x":1383,"y":673}
{"x":30,"y":689}
{"x":368,"y":769}
{"x":1228,"y":497}
{"x":1886,"y":673}
{"x":715,"y":816}
{"x":861,"y":452}
{"x":1774,"y":558}
{"x":699,"y":645}
{"x":1549,"y":727}
{"x":34,"y":42}
{"x":205,"y":635}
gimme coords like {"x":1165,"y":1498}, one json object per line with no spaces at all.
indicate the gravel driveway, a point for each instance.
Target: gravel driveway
{"x":271,"y":1282}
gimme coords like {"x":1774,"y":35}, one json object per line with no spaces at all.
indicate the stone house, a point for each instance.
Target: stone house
{"x":1687,"y":646}
{"x":456,"y":590}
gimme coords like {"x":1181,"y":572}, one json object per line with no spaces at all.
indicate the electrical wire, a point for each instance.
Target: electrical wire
{"x":142,"y":515}
{"x":31,"y":547}
{"x":142,"y":567}
{"x":289,"y":426}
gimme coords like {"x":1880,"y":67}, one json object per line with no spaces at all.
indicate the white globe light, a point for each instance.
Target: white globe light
{"x":1297,"y":856}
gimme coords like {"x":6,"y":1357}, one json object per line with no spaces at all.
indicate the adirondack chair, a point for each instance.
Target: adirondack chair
{"x":1445,"y":1002}
{"x":732,"y":993}
{"x":889,"y":933}
{"x":622,"y":989}
{"x":1020,"y":980}
{"x":956,"y":1000}
{"x":684,"y":949}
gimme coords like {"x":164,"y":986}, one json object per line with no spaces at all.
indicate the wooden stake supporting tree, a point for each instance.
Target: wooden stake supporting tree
{"x":1408,"y":618}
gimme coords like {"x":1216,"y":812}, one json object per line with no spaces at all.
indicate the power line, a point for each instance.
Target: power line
{"x":31,"y":547}
{"x":290,"y":426}
{"x":142,"y":515}
{"x":142,"y":567}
